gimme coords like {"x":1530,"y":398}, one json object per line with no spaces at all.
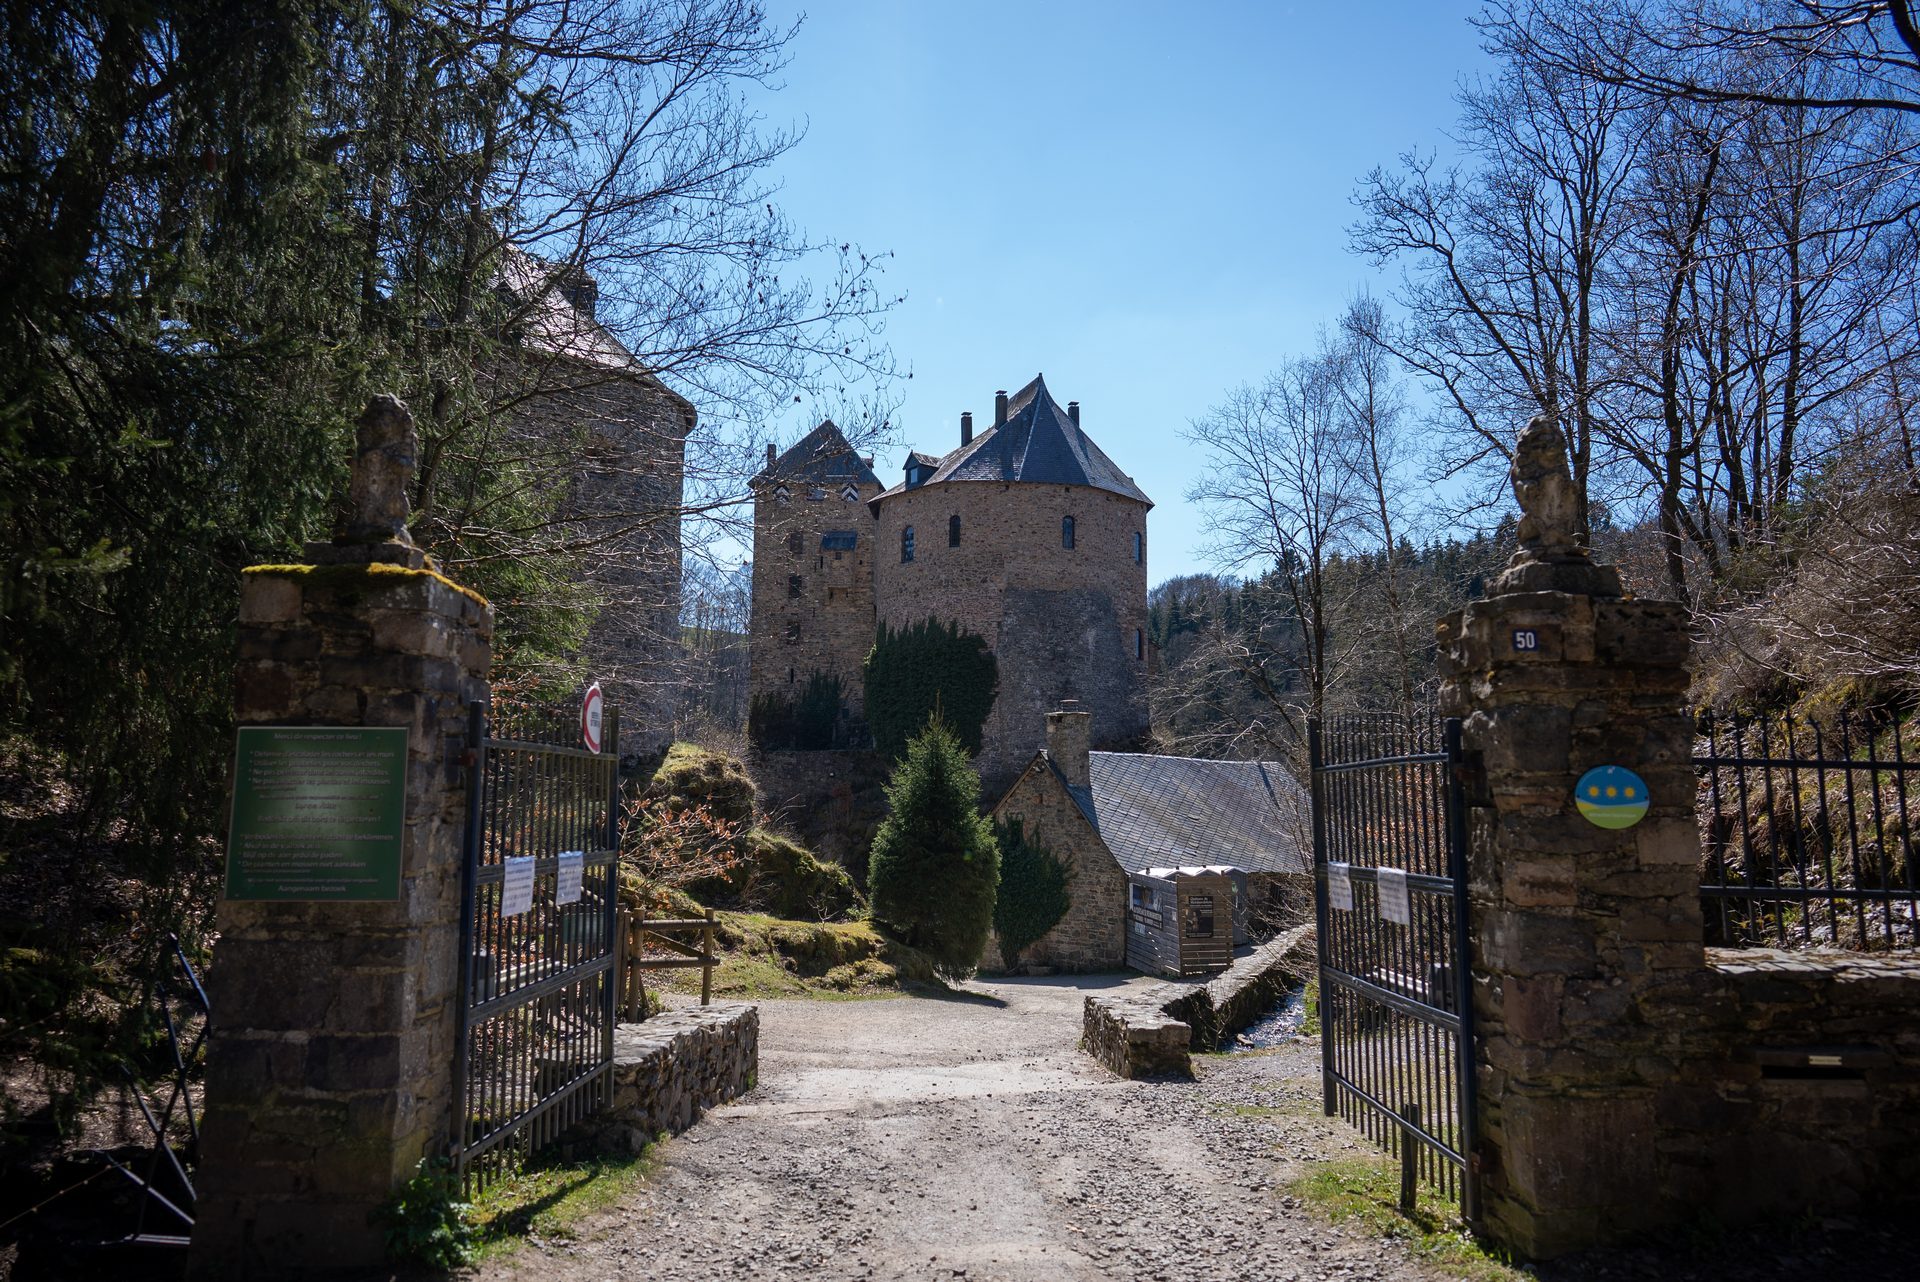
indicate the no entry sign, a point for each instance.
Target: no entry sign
{"x":590,"y":708}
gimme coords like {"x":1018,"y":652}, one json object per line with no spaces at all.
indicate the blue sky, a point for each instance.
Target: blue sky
{"x":1146,"y":202}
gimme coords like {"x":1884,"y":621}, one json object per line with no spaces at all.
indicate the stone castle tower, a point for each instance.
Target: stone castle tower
{"x":1027,"y":535}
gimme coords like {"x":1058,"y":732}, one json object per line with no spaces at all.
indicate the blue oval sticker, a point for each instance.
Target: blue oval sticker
{"x":1611,"y":797}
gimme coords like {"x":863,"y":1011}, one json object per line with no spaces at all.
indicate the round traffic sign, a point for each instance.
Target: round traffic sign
{"x":590,"y":707}
{"x":1611,"y":797}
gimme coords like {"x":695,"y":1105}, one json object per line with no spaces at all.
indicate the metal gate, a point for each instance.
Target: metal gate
{"x":534,"y":1048}
{"x":1396,"y":1013}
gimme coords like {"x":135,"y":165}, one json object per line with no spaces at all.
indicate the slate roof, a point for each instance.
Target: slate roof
{"x":1153,"y":812}
{"x":821,"y":457}
{"x":1037,"y":443}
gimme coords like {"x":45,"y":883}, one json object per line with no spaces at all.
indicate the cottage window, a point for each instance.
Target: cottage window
{"x":817,"y":493}
{"x":796,"y":586}
{"x":1139,"y":548}
{"x":906,"y":545}
{"x":953,"y":531}
{"x":1066,"y":531}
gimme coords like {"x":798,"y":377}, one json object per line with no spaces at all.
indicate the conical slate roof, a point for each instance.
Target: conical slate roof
{"x":1037,"y":443}
{"x":821,"y":457}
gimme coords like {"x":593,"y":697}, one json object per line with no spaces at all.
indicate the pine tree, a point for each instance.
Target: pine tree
{"x":935,"y":866}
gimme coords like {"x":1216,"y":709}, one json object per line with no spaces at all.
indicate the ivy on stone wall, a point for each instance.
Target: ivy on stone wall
{"x":813,"y":722}
{"x":1033,"y":894}
{"x":923,"y":669}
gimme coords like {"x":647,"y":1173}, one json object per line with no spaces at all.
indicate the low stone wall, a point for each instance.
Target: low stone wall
{"x":1150,"y":1032}
{"x":673,"y":1067}
{"x":1807,"y":1094}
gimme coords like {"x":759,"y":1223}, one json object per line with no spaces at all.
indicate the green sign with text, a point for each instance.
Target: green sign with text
{"x":318,"y":813}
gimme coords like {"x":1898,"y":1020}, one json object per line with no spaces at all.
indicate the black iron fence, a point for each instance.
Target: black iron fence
{"x":1396,"y":1021}
{"x":535,"y":1040}
{"x":1806,"y":832}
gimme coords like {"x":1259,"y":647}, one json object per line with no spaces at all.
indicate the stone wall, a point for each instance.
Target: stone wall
{"x":670,"y":1069}
{"x":627,"y":434}
{"x":832,"y":802}
{"x":1061,"y":621}
{"x":1093,"y":934}
{"x":1149,"y":1032}
{"x":812,"y":607}
{"x":1803,"y":1091}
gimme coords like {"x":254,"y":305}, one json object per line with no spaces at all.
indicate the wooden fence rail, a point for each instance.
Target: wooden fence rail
{"x":637,"y":932}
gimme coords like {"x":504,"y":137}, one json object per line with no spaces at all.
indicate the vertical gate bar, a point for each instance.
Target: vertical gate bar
{"x":469,"y":864}
{"x":1317,"y":803}
{"x":1469,"y":1086}
{"x":610,"y":892}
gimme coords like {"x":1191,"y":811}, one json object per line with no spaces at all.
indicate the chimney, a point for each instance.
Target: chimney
{"x":771,"y":456}
{"x":999,"y":409}
{"x":966,"y":428}
{"x":1073,"y":412}
{"x":1069,"y":732}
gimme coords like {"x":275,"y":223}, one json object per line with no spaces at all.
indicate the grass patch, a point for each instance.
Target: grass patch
{"x":769,"y":957}
{"x":1367,"y":1190}
{"x":548,"y":1199}
{"x":1311,"y":1026}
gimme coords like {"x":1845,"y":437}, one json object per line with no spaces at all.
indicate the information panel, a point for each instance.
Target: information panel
{"x":318,"y":813}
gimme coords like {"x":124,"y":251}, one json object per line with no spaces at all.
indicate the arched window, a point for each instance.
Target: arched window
{"x":795,"y":543}
{"x":1139,"y":548}
{"x":906,"y":545}
{"x":1066,"y":531}
{"x":953,"y":530}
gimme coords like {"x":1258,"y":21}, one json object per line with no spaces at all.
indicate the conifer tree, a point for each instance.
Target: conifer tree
{"x":935,"y":866}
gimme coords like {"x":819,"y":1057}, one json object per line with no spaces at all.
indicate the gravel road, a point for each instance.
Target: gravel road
{"x":967,"y":1137}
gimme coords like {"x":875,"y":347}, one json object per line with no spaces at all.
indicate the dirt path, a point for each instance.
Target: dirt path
{"x":923,"y":1138}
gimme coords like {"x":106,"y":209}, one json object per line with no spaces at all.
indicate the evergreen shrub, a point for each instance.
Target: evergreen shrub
{"x":935,"y":867}
{"x":924,"y":670}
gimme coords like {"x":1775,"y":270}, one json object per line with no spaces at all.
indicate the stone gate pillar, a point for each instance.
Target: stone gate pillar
{"x":330,"y":1062}
{"x":1586,"y":940}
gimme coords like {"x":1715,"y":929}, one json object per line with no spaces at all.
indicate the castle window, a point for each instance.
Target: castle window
{"x":1066,"y":531}
{"x":795,"y":543}
{"x":953,"y":531}
{"x":817,"y":493}
{"x":906,"y":545}
{"x":795,"y":586}
{"x":1139,"y":644}
{"x":1139,"y":548}
{"x":793,"y":632}
{"x":850,"y":493}
{"x":781,"y":494}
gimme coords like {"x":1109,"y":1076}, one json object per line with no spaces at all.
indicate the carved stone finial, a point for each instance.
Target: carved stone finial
{"x":1550,"y":558}
{"x":386,"y":451}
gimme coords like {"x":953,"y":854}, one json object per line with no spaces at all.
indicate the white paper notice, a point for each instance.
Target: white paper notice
{"x":1340,"y":887}
{"x":516,"y":890}
{"x":1393,"y":895}
{"x":571,"y":864}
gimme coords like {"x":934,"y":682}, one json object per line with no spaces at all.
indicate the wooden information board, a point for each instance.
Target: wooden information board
{"x":318,"y":813}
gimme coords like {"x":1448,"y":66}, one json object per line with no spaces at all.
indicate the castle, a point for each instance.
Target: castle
{"x":1027,"y":535}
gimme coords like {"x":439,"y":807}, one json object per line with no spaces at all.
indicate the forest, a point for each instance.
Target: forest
{"x":1686,"y":234}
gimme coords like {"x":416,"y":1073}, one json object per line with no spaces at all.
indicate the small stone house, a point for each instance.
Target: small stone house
{"x":1114,"y":817}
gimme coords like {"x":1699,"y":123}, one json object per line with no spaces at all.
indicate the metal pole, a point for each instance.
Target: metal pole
{"x":1409,"y":1162}
{"x":470,"y":852}
{"x":609,"y":1006}
{"x":706,"y":959}
{"x":1468,"y":1052}
{"x":1320,"y":915}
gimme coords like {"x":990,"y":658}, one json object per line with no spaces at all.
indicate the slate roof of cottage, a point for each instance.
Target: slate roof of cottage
{"x":821,"y":457}
{"x":1038,"y":443}
{"x":1153,"y":812}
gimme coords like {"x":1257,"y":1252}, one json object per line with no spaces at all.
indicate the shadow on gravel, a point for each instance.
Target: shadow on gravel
{"x":964,"y":996}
